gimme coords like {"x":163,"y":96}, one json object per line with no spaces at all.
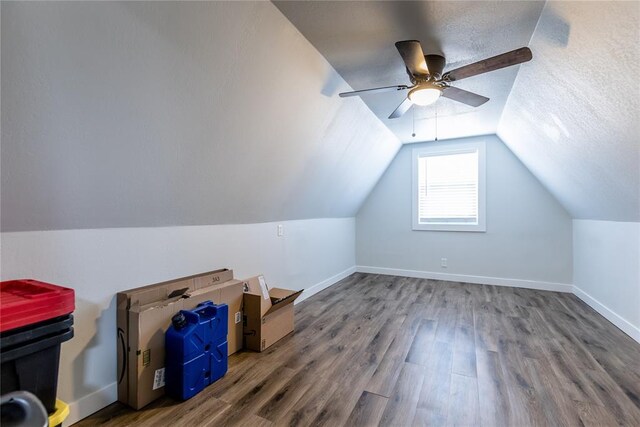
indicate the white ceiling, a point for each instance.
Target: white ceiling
{"x":358,"y":38}
{"x":127,"y":128}
{"x":573,"y":116}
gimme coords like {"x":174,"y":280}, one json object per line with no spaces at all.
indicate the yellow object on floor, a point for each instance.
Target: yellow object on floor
{"x":62,"y":411}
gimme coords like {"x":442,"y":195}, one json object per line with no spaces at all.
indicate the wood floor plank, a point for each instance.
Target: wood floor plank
{"x":368,"y":411}
{"x":447,"y":318}
{"x":492,"y":390}
{"x":307,"y":408}
{"x":425,"y":289}
{"x":263,"y":391}
{"x":558,"y":407}
{"x":233,"y":416}
{"x":613,"y":398}
{"x":487,"y":329}
{"x":463,"y":401}
{"x":355,"y":367}
{"x":573,"y":379}
{"x":384,"y":350}
{"x":187,"y":413}
{"x":464,"y":347}
{"x":433,"y":401}
{"x":592,"y":415}
{"x":422,"y":342}
{"x":381,"y":341}
{"x":571,"y":345}
{"x":356,"y":372}
{"x":287,"y":396}
{"x":231,"y":388}
{"x":524,"y":404}
{"x":386,"y":374}
{"x":403,"y":402}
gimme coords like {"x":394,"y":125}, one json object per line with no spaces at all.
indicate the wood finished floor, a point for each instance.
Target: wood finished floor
{"x":391,"y":351}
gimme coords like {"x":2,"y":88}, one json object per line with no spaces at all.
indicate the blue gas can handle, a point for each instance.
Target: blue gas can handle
{"x":207,"y":309}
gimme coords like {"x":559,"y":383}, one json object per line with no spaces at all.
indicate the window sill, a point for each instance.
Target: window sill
{"x":474,"y":228}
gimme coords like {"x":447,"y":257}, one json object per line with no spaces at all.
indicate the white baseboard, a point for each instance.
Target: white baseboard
{"x":91,"y":403}
{"x":312,"y":290}
{"x":483,"y":280}
{"x":608,"y":314}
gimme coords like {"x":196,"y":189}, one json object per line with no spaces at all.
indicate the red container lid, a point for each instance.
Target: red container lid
{"x":25,"y":302}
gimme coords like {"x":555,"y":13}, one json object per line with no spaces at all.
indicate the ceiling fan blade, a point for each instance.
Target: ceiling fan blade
{"x":464,"y":96}
{"x":508,"y":59}
{"x":374,"y":90}
{"x":411,"y":53}
{"x":402,"y":108}
{"x":435,"y":64}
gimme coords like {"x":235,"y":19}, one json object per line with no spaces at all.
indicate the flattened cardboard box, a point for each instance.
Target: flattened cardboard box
{"x":146,"y":295}
{"x":149,"y":323}
{"x":268,"y":313}
{"x":198,"y":288}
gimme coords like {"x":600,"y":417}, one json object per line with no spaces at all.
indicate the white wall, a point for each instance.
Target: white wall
{"x":606,"y":270}
{"x":129,"y":128}
{"x":143,"y":114}
{"x":528,"y":237}
{"x":97,"y":263}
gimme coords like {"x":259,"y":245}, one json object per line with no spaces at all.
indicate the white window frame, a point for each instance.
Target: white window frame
{"x":442,"y":149}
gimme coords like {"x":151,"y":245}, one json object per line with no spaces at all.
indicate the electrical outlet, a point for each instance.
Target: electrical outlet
{"x":280,"y":230}
{"x":443,"y":262}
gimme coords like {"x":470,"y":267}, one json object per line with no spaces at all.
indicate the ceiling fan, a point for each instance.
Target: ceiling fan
{"x":428,"y":82}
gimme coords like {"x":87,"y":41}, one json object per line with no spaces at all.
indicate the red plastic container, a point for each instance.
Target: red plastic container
{"x":25,"y":302}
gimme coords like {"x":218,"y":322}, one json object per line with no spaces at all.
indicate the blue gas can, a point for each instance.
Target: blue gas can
{"x":196,"y":349}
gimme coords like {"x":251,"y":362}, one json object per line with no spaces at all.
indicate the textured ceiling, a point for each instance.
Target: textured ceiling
{"x":573,"y":116}
{"x":358,"y":38}
{"x":104,"y":128}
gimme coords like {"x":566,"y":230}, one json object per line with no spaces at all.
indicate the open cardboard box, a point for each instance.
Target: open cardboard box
{"x":268,"y":313}
{"x":143,"y":316}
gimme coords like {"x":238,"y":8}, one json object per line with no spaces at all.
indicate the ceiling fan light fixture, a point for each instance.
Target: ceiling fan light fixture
{"x":425,"y":95}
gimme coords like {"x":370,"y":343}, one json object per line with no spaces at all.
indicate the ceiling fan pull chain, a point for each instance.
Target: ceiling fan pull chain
{"x":413,"y":134}
{"x":436,"y":123}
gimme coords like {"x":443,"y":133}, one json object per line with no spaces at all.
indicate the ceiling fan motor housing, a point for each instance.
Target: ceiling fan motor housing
{"x":435,"y":64}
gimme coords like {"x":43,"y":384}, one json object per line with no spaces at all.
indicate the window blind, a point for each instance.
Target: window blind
{"x":448,"y":188}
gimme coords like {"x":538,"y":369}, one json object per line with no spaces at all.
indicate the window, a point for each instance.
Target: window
{"x":448,"y":187}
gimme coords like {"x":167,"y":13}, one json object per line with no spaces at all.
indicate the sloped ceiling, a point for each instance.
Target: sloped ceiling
{"x":123,"y":114}
{"x":146,"y":114}
{"x":573,"y":116}
{"x":358,"y":38}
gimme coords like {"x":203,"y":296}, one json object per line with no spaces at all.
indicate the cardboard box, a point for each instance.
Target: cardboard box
{"x":268,"y":313}
{"x":143,"y":316}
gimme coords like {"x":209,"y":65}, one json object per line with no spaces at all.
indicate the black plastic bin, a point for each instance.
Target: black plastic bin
{"x":30,"y":357}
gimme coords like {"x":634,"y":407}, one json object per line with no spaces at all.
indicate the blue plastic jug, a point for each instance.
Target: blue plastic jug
{"x":196,"y":349}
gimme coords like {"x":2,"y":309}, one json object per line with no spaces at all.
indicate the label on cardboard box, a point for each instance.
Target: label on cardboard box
{"x":158,"y":379}
{"x":212,"y":278}
{"x":146,"y":357}
{"x":263,"y":287}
